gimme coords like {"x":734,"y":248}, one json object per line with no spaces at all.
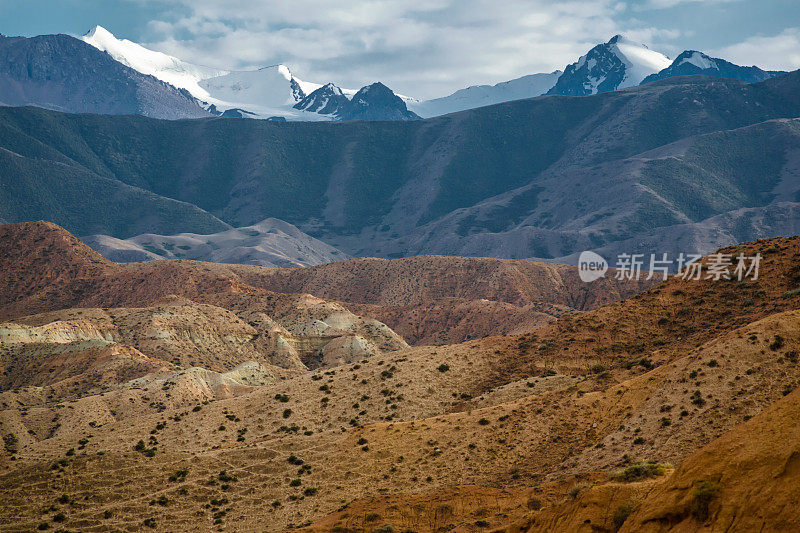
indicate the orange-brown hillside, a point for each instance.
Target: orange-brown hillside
{"x":426,"y":299}
{"x":439,"y":299}
{"x":605,"y":419}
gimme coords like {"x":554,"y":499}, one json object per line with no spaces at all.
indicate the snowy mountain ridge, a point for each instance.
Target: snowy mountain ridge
{"x":267,"y":91}
{"x":274,"y":92}
{"x":483,"y":95}
{"x":617,"y":64}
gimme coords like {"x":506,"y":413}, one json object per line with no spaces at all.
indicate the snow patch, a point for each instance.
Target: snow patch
{"x":700,"y":60}
{"x":639,"y":60}
{"x":483,"y":95}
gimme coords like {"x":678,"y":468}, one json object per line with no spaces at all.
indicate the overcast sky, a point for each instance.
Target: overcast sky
{"x":421,"y":48}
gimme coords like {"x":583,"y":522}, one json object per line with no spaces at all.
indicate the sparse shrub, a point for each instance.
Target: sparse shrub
{"x":225,"y":477}
{"x":791,"y":293}
{"x":287,"y":413}
{"x":150,"y":522}
{"x":180,"y":475}
{"x":577,"y":489}
{"x":698,"y":399}
{"x":777,"y":343}
{"x":483,"y":422}
{"x":444,"y":367}
{"x":295,"y":482}
{"x":702,"y":495}
{"x":640,"y":471}
{"x":597,"y":368}
{"x":621,"y":514}
{"x":534,"y":504}
{"x":10,"y":442}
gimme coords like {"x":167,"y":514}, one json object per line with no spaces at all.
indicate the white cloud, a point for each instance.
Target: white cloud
{"x":777,"y":52}
{"x":423,"y":49}
{"x":665,"y":4}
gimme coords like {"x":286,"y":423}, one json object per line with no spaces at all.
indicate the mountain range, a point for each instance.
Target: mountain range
{"x":273,"y":92}
{"x":688,"y":163}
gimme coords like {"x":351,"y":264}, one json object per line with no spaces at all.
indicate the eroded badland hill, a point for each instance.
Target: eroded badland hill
{"x":178,"y":395}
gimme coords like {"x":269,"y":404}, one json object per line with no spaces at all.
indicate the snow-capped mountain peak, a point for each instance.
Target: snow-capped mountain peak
{"x":640,"y":60}
{"x":617,"y":64}
{"x":698,"y":59}
{"x":157,"y":64}
{"x":268,"y":91}
{"x":327,"y":100}
{"x":692,"y":62}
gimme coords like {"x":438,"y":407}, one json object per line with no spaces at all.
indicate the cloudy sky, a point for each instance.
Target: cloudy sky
{"x":421,"y":48}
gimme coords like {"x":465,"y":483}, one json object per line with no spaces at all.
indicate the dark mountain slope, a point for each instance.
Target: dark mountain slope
{"x":63,"y":73}
{"x":35,"y":189}
{"x":460,"y":184}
